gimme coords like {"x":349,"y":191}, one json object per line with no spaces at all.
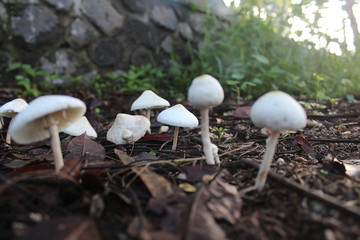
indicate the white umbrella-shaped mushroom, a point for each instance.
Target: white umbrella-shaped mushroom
{"x":79,"y":127}
{"x":204,"y":93}
{"x":127,"y":128}
{"x":278,"y":112}
{"x":45,"y":117}
{"x":10,"y":109}
{"x":149,"y":100}
{"x":177,"y":116}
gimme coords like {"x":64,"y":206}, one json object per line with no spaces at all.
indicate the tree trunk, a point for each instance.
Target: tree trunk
{"x":354,"y":25}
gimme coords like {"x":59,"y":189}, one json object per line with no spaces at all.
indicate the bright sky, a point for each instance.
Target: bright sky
{"x":332,"y":22}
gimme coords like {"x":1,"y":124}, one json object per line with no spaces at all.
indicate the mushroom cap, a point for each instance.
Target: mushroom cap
{"x":205,"y":91}
{"x":278,"y":111}
{"x":178,"y":116}
{"x":138,"y":125}
{"x":79,"y":127}
{"x":149,"y":100}
{"x":30,"y":126}
{"x":10,"y":109}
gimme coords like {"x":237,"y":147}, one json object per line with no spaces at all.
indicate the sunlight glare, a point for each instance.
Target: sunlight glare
{"x":333,"y":22}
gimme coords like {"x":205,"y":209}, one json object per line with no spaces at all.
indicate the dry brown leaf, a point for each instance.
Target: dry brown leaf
{"x":71,"y":228}
{"x":242,"y":112}
{"x":16,"y":164}
{"x":193,"y":216}
{"x":157,"y":185}
{"x":87,"y":148}
{"x":223,"y":200}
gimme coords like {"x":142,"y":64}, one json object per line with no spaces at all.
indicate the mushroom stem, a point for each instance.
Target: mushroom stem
{"x":148,"y":113}
{"x":175,"y":140}
{"x":205,"y":136}
{"x":55,"y":143}
{"x":271,"y":143}
{"x":8,"y":134}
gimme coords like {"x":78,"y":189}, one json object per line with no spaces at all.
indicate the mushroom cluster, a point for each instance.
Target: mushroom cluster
{"x":130,"y":128}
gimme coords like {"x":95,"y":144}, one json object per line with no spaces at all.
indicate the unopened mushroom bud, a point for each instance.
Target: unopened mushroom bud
{"x":127,"y":128}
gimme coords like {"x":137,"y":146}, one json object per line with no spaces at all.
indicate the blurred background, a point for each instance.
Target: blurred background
{"x":308,"y":48}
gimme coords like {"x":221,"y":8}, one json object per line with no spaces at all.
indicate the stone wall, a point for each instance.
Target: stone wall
{"x":72,"y":37}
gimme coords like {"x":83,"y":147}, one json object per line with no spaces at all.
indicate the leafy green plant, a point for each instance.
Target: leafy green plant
{"x":250,"y":56}
{"x":136,"y":79}
{"x":27,"y":78}
{"x":220,"y":133}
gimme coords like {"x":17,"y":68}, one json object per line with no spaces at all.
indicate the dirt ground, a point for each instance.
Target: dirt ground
{"x":147,"y":191}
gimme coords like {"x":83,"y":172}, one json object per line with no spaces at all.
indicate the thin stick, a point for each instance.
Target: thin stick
{"x":322,"y":197}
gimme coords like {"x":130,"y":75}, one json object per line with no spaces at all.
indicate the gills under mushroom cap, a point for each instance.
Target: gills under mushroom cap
{"x":278,"y":111}
{"x":30,"y":124}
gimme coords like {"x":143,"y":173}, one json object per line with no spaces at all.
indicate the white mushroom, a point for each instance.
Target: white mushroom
{"x":278,"y":112}
{"x":149,"y":100}
{"x":79,"y":127}
{"x":127,"y":128}
{"x":177,"y":116}
{"x":204,"y":93}
{"x":45,"y":117}
{"x":164,"y":129}
{"x":10,"y":109}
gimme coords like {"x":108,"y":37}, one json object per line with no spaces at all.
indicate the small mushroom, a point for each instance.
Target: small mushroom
{"x":79,"y":127}
{"x":149,"y":100}
{"x":127,"y":128}
{"x":177,"y":116}
{"x":45,"y":117}
{"x":10,"y":109}
{"x":278,"y":112}
{"x":204,"y":93}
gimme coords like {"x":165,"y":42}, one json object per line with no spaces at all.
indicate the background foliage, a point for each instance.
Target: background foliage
{"x":250,"y":53}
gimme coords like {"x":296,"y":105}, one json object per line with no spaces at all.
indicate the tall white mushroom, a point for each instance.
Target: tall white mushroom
{"x":10,"y":109}
{"x":278,"y":112}
{"x":79,"y":127}
{"x":45,"y":117}
{"x":149,"y":100}
{"x":177,"y":116}
{"x":127,"y":128}
{"x":204,"y":93}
